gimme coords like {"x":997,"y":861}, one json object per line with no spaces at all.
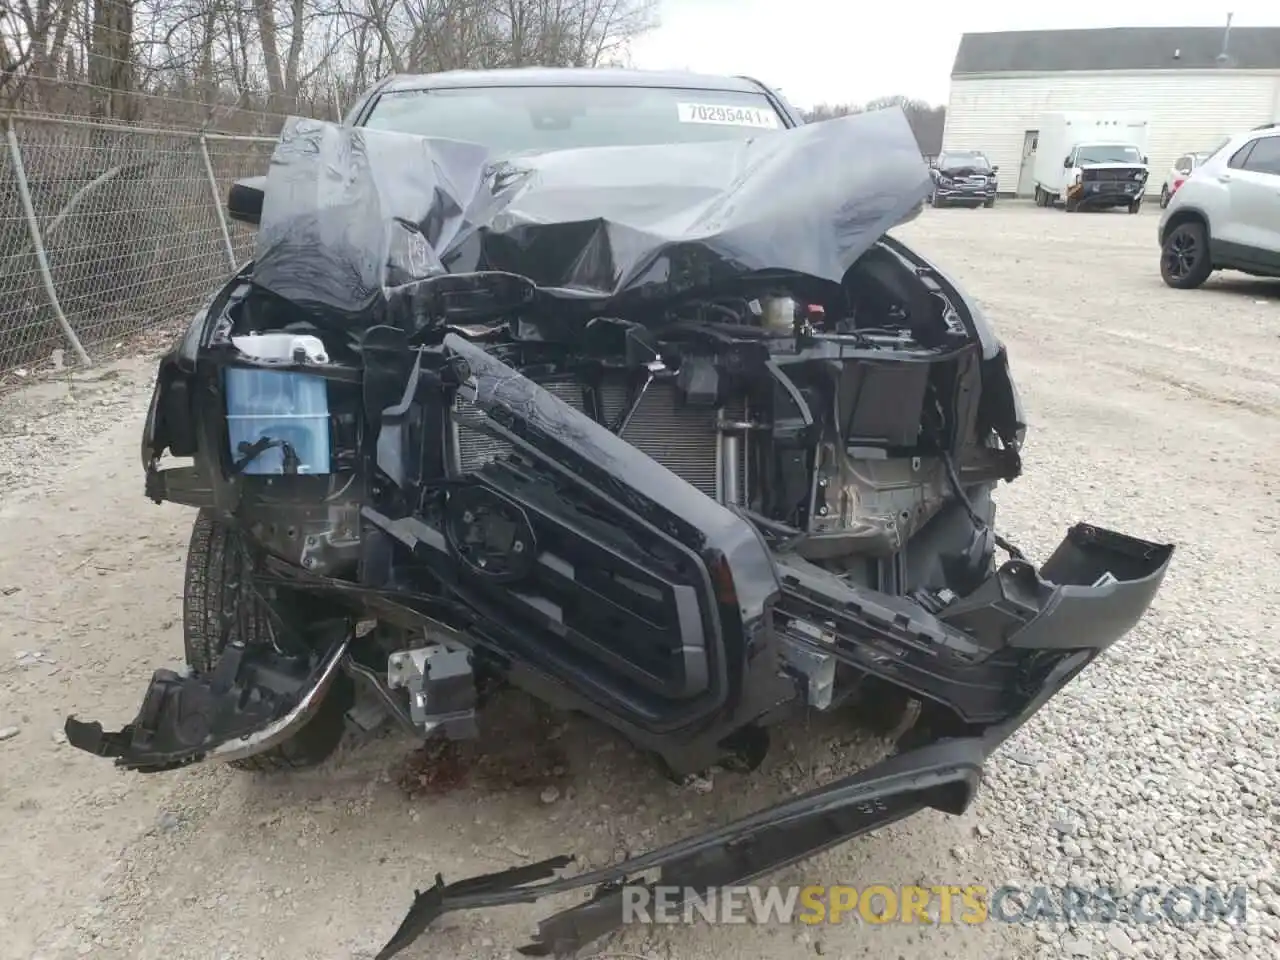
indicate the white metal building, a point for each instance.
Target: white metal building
{"x":1197,"y":85}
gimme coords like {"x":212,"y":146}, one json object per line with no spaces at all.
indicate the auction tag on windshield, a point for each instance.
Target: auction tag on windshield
{"x":727,"y":116}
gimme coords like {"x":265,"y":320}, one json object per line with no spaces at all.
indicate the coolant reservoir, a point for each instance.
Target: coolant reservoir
{"x":282,"y":347}
{"x":285,"y":412}
{"x":778,"y":313}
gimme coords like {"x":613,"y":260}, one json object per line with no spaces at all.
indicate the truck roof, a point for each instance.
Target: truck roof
{"x":569,"y":77}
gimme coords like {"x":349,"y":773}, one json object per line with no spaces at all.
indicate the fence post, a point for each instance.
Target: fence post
{"x":42,"y":259}
{"x":217,"y":201}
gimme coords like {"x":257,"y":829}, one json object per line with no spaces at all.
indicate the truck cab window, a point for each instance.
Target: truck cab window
{"x":1107,"y":153}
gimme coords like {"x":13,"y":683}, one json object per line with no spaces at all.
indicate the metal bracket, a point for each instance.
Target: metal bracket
{"x":441,"y":687}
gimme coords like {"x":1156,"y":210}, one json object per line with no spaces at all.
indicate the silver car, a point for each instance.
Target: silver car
{"x":1226,"y":216}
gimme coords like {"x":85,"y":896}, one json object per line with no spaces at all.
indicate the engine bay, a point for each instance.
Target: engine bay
{"x":677,"y":473}
{"x":832,"y":417}
{"x":477,"y":468}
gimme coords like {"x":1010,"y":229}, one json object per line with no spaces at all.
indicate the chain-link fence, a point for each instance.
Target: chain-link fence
{"x":106,"y":230}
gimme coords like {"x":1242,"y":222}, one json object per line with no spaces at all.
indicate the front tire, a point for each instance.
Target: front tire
{"x":989,"y":203}
{"x":1135,"y":206}
{"x":217,"y":608}
{"x":1185,"y":261}
{"x":1164,"y":196}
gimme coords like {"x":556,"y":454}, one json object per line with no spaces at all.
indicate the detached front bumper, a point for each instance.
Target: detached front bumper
{"x":1108,"y":192}
{"x":1044,"y":627}
{"x":1082,"y":612}
{"x":942,"y":776}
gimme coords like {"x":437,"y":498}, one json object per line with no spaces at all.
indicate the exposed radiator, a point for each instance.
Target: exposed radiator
{"x":681,"y":438}
{"x":475,"y":449}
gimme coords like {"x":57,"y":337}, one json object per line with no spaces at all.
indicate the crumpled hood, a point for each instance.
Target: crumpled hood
{"x":355,"y":219}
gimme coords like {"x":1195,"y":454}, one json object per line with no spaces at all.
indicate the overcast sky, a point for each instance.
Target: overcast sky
{"x":846,"y":51}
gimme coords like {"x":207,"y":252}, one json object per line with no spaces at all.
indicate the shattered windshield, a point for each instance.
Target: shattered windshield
{"x":535,"y":119}
{"x":1109,"y":153}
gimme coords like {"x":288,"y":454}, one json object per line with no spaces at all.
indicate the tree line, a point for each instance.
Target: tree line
{"x":221,"y":63}
{"x":926,"y":121}
{"x":213,"y":61}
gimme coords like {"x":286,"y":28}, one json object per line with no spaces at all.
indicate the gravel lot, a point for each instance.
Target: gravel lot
{"x":1152,"y":411}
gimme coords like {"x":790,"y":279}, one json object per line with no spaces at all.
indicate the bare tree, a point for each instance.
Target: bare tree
{"x":825,"y":111}
{"x":243,"y":64}
{"x":32,"y":41}
{"x":111,"y":60}
{"x":926,"y":121}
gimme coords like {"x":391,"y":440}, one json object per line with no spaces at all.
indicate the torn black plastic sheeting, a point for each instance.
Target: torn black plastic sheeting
{"x":364,"y":226}
{"x":942,"y":775}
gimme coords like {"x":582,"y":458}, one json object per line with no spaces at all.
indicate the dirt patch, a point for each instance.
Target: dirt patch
{"x":495,"y":762}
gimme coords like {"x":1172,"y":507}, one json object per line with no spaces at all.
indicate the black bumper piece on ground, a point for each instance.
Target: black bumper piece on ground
{"x":992,"y":658}
{"x":1074,"y":620}
{"x":943,"y":776}
{"x":1108,"y":193}
{"x":248,"y":703}
{"x":1044,"y":627}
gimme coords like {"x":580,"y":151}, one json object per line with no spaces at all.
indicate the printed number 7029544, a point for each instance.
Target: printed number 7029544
{"x":728,"y":115}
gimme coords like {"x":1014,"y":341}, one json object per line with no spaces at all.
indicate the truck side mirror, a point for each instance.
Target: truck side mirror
{"x":1144,"y":159}
{"x":244,"y":199}
{"x":1066,"y":164}
{"x":995,"y":169}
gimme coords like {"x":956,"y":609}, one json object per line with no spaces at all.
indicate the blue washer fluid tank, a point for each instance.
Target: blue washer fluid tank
{"x":284,"y":407}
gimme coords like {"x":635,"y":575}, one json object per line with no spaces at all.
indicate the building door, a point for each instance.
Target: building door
{"x":1026,"y":173}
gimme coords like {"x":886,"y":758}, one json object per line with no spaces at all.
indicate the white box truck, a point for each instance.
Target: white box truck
{"x":1091,"y":160}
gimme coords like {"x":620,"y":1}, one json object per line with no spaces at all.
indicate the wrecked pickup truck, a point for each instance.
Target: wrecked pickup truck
{"x":652,"y":420}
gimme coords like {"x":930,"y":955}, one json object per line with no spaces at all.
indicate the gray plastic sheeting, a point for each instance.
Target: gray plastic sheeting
{"x":364,"y":226}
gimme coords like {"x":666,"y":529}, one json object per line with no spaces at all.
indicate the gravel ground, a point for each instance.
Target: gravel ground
{"x":1151,"y":411}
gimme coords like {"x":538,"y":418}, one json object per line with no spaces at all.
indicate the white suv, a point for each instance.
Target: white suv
{"x":1226,"y":216}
